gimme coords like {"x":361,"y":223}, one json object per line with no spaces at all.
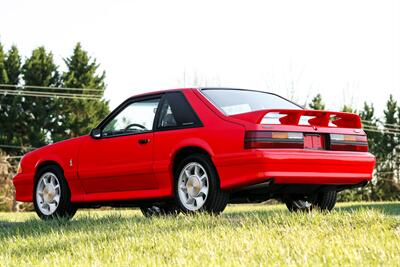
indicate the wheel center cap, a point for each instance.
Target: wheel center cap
{"x":48,"y":194}
{"x":193,"y":186}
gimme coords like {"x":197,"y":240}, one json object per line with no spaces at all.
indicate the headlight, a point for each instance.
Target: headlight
{"x":19,"y":170}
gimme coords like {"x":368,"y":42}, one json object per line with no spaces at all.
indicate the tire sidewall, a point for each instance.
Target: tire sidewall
{"x":64,"y":208}
{"x":213,"y":181}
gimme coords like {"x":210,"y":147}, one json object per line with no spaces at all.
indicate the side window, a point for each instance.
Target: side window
{"x":134,"y":118}
{"x":177,"y":112}
{"x":167,"y":119}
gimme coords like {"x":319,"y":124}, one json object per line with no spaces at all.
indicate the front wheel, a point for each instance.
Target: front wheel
{"x":51,"y":196}
{"x":197,"y":186}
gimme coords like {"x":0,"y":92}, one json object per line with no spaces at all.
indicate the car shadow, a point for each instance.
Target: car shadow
{"x":34,"y":226}
{"x":114,"y":221}
{"x":88,"y":224}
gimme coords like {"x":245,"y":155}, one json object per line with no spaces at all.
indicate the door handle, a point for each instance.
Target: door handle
{"x":143,"y":141}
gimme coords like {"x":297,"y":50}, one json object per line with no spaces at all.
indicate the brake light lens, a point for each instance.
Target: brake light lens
{"x":267,"y":139}
{"x":349,"y":142}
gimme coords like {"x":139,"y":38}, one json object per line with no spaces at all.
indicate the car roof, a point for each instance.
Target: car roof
{"x":196,"y":88}
{"x":210,"y":88}
{"x":163,"y":91}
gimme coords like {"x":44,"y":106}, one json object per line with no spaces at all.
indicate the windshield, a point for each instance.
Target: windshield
{"x":235,"y":101}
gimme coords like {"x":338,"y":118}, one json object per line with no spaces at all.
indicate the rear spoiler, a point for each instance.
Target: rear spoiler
{"x":319,"y":118}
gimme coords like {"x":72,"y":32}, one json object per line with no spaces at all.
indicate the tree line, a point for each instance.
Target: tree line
{"x":384,"y":142}
{"x":31,"y":120}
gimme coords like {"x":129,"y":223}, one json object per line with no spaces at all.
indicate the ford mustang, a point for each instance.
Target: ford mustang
{"x":196,"y":150}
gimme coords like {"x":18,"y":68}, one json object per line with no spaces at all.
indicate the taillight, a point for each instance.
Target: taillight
{"x":349,"y":142}
{"x":266,"y":139}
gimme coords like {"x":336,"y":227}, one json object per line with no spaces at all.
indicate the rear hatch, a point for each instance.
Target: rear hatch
{"x":303,"y":129}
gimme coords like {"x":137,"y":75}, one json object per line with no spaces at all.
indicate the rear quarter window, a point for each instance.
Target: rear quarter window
{"x":176,"y":112}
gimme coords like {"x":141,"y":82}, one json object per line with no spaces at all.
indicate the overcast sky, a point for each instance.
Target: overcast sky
{"x":349,"y":51}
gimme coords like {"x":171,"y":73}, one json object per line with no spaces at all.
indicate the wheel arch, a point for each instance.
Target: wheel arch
{"x":188,"y":150}
{"x":40,"y":165}
{"x":185,"y":151}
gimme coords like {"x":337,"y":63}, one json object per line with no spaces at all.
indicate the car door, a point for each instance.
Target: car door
{"x":121,"y":157}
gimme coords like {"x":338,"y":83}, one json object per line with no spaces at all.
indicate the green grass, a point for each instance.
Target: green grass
{"x":244,"y":235}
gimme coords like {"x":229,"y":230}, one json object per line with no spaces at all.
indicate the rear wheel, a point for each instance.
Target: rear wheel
{"x":197,"y":186}
{"x":326,"y":200}
{"x":51,"y":196}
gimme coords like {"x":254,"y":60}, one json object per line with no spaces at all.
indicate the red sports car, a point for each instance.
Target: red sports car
{"x":197,"y":149}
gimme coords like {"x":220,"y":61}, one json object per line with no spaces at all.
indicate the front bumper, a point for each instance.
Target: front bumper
{"x":23,"y":184}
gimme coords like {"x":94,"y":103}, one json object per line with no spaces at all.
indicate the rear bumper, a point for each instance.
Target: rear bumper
{"x":292,"y":166}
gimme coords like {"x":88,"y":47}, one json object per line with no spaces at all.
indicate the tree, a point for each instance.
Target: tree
{"x":316,"y":103}
{"x":3,"y":80}
{"x":349,"y":109}
{"x":78,"y":116}
{"x":3,"y":71}
{"x":13,"y":65}
{"x":38,"y":112}
{"x":374,"y":135}
{"x":389,"y":140}
{"x":10,"y":107}
{"x":371,"y":128}
{"x":388,"y":184}
{"x":366,"y":114}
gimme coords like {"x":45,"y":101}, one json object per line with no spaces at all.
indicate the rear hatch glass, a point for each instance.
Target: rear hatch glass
{"x":237,"y":101}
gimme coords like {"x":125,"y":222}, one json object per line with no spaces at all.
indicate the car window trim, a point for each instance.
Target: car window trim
{"x":133,"y":99}
{"x":180,"y":127}
{"x":122,"y":106}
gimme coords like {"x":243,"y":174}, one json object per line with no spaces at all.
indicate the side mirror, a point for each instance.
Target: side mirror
{"x":95,"y":133}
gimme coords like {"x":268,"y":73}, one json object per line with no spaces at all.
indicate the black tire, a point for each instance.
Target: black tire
{"x":159,"y":210}
{"x":217,"y":199}
{"x":298,"y":205}
{"x":326,"y":200}
{"x":65,"y":209}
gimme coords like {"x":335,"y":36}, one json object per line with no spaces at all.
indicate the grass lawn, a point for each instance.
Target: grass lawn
{"x":355,"y":234}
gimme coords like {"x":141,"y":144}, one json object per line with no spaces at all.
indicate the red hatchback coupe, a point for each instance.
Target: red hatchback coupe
{"x":194,"y":150}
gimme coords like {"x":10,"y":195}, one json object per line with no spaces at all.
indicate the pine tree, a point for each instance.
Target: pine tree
{"x":349,"y":109}
{"x":374,"y":134}
{"x":371,"y":128}
{"x":316,"y":103}
{"x":3,"y":71}
{"x":3,"y":98}
{"x":388,"y":183}
{"x":39,"y":116}
{"x":11,"y":108}
{"x":13,"y":65}
{"x":78,"y":116}
{"x":389,"y":140}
